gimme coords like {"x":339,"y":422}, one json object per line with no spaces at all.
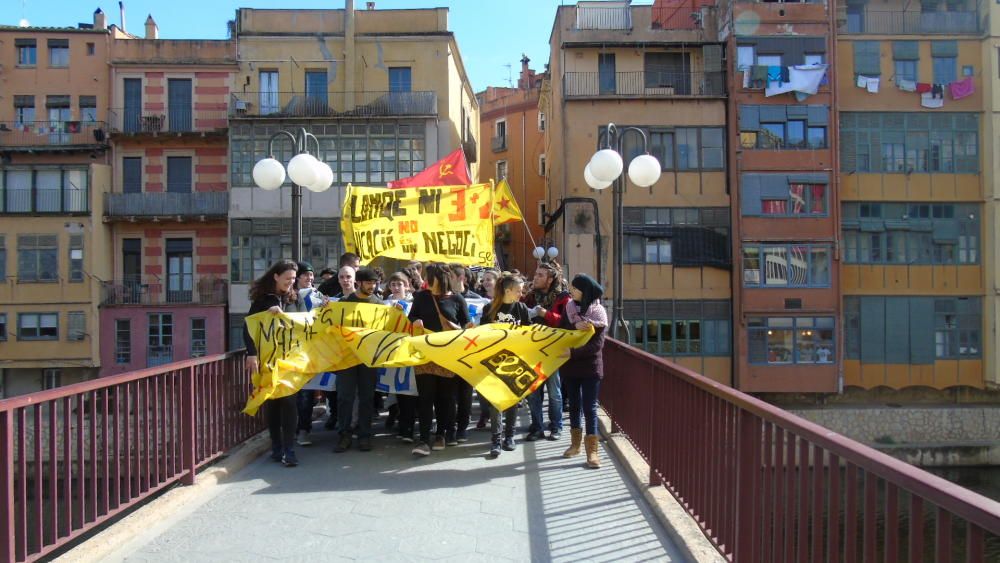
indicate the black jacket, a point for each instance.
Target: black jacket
{"x":259,"y":305}
{"x":453,"y":307}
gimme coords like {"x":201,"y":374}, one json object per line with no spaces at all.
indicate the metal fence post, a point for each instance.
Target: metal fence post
{"x":189,"y":460}
{"x":7,"y":541}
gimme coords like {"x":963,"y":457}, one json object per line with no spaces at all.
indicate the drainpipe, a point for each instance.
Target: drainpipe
{"x":349,"y":55}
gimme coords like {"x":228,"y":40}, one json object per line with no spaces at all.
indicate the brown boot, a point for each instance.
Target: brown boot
{"x":590,"y":443}
{"x":576,"y":438}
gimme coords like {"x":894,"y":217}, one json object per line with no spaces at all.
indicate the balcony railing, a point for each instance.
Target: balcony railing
{"x":911,"y":22}
{"x":78,"y":456}
{"x":765,"y":485}
{"x":52,"y":135}
{"x":644,"y":84}
{"x":604,"y":17}
{"x":499,"y":144}
{"x":175,"y":289}
{"x":134,"y":121}
{"x":333,"y":104}
{"x":166,"y":204}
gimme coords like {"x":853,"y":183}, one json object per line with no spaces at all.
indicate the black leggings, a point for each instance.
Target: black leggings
{"x":437,"y":397}
{"x":282,"y":418}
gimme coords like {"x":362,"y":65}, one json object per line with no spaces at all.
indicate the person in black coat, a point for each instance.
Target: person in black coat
{"x":272,"y":292}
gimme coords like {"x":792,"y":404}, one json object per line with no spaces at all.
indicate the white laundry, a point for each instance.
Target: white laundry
{"x":928,"y":100}
{"x":746,"y":78}
{"x":873,"y":85}
{"x":804,"y":80}
{"x":907,"y":85}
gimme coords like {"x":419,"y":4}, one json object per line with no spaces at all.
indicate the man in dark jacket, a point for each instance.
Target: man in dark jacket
{"x":547,"y":301}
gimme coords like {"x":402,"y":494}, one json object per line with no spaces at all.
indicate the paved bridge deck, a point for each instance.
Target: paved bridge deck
{"x":384,"y":505}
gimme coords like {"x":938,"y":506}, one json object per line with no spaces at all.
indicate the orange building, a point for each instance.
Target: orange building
{"x":515,"y":124}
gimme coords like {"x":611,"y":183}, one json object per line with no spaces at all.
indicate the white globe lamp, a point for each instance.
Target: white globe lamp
{"x":269,"y":174}
{"x":644,"y":170}
{"x":538,"y":253}
{"x":303,"y":169}
{"x":552,"y":252}
{"x":593,"y":182}
{"x":323,"y":179}
{"x":606,"y":165}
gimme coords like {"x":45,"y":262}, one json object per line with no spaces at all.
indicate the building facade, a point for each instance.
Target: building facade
{"x":515,"y":123}
{"x":168,"y":126}
{"x":657,"y":68}
{"x":385,"y":93}
{"x":54,"y":169}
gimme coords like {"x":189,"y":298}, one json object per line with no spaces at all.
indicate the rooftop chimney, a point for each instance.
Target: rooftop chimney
{"x":152,"y":30}
{"x":100,"y":20}
{"x":525,"y":80}
{"x":121,"y":12}
{"x":370,"y":5}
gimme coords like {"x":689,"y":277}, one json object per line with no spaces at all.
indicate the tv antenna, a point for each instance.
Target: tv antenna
{"x":510,"y":79}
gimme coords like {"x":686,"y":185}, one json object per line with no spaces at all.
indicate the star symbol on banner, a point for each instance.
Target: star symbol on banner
{"x":505,"y":203}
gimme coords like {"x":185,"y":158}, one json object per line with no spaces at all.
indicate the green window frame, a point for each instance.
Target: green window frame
{"x":906,"y":233}
{"x":908,"y":142}
{"x":681,"y":328}
{"x":38,"y":258}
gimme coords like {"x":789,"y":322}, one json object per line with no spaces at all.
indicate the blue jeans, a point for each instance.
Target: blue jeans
{"x":553,"y":386}
{"x":357,"y":381}
{"x":582,"y":396}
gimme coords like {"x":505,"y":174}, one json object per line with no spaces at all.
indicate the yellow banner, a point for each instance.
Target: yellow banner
{"x":505,"y":208}
{"x":501,"y":361}
{"x":438,"y":223}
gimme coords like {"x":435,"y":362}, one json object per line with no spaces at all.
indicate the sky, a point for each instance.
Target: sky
{"x":491,"y":33}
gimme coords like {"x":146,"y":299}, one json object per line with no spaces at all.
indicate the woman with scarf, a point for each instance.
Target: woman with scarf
{"x":583,"y":372}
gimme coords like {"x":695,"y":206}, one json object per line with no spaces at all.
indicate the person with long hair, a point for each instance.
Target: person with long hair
{"x":583,"y":371}
{"x":506,"y":307}
{"x":273,"y":292}
{"x":548,"y":300}
{"x":435,"y":388}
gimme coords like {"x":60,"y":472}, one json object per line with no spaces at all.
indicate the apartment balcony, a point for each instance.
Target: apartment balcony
{"x":909,"y":22}
{"x":200,"y":122}
{"x":498,"y":144}
{"x":165,"y":206}
{"x":641,"y":84}
{"x":52,"y":136}
{"x":279,"y":105}
{"x":176,"y":289}
{"x":603,"y":16}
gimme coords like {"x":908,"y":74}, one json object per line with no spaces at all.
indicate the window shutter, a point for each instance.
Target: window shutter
{"x":818,"y":115}
{"x":867,"y":58}
{"x":897,"y":337}
{"x":772,"y":114}
{"x":921,"y":330}
{"x":179,"y":174}
{"x":873,"y":330}
{"x":905,"y":50}
{"x":944,"y":48}
{"x":750,"y":194}
{"x":749,"y":118}
{"x":59,"y":43}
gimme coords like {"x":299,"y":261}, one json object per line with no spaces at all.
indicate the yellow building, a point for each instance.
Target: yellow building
{"x":54,"y":170}
{"x":915,"y":175}
{"x":991,"y":196}
{"x":646,"y":67}
{"x":384,"y":91}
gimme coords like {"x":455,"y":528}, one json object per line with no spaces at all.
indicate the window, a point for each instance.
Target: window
{"x":59,"y":52}
{"x":912,"y":330}
{"x":769,"y":60}
{"x":24,"y":112}
{"x":855,"y":19}
{"x":38,"y":326}
{"x":786,"y":265}
{"x":27,"y":52}
{"x":541,"y":121}
{"x":400,"y":79}
{"x":88,"y":108}
{"x":911,"y":233}
{"x":501,"y":169}
{"x":76,"y":325}
{"x":814,"y":58}
{"x":90,"y":49}
{"x":269,"y":102}
{"x":3,"y":259}
{"x":944,"y":69}
{"x":680,"y":328}
{"x":316,"y":88}
{"x":745,"y":57}
{"x":258,"y":243}
{"x":500,"y":126}
{"x":783,"y":195}
{"x":199,"y":338}
{"x":905,"y":70}
{"x":685,"y":237}
{"x":44,"y":190}
{"x":909,"y":142}
{"x":76,"y":258}
{"x":775,"y":127}
{"x":541,"y":165}
{"x":132,"y":175}
{"x":867,"y":58}
{"x":686,"y":141}
{"x":51,"y":378}
{"x":791,"y":340}
{"x":123,"y":341}
{"x":179,"y":176}
{"x":3,"y":326}
{"x":160,"y":345}
{"x":37,"y":258}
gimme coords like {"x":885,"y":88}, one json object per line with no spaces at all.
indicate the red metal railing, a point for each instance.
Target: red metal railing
{"x":767,"y":486}
{"x":79,"y":455}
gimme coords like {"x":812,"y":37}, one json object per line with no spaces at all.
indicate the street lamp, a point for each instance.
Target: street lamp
{"x":304,"y":169}
{"x":540,"y":252}
{"x":603,"y":170}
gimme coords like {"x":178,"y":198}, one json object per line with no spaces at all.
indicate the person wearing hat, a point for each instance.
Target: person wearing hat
{"x":583,"y":372}
{"x":358,"y":381}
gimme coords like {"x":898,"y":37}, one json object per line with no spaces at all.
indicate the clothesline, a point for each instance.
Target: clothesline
{"x":931,"y":94}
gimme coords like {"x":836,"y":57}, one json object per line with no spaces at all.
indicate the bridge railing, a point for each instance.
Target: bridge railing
{"x":765,"y":485}
{"x":76,"y":456}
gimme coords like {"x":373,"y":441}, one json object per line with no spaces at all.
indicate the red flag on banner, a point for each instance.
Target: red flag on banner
{"x":449,"y":171}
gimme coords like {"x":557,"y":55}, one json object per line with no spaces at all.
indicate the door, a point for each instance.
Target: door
{"x":316,"y":96}
{"x":180,"y":269}
{"x":160,"y":344}
{"x":132,"y":110}
{"x":58,"y":118}
{"x":606,"y":73}
{"x":132,"y":175}
{"x":132,"y":288}
{"x":179,"y":104}
{"x":268,"y":92}
{"x":179,"y":175}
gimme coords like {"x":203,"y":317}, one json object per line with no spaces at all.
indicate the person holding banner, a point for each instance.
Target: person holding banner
{"x":460,"y":279}
{"x":506,"y":307}
{"x":583,"y":372}
{"x":273,"y":292}
{"x":436,"y":308}
{"x":401,"y":407}
{"x":487,"y":284}
{"x":308,"y":299}
{"x":547,"y":300}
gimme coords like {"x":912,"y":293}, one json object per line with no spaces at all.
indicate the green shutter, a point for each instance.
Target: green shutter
{"x":873,"y":330}
{"x":897,"y":334}
{"x":944,"y":48}
{"x":867,"y":58}
{"x":905,"y":50}
{"x":921,"y":330}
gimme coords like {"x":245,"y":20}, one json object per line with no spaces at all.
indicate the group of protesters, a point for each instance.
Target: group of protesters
{"x":433,"y":296}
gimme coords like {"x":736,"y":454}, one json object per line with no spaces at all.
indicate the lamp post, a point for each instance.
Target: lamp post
{"x":304,"y":169}
{"x":541,"y":253}
{"x":605,"y":169}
